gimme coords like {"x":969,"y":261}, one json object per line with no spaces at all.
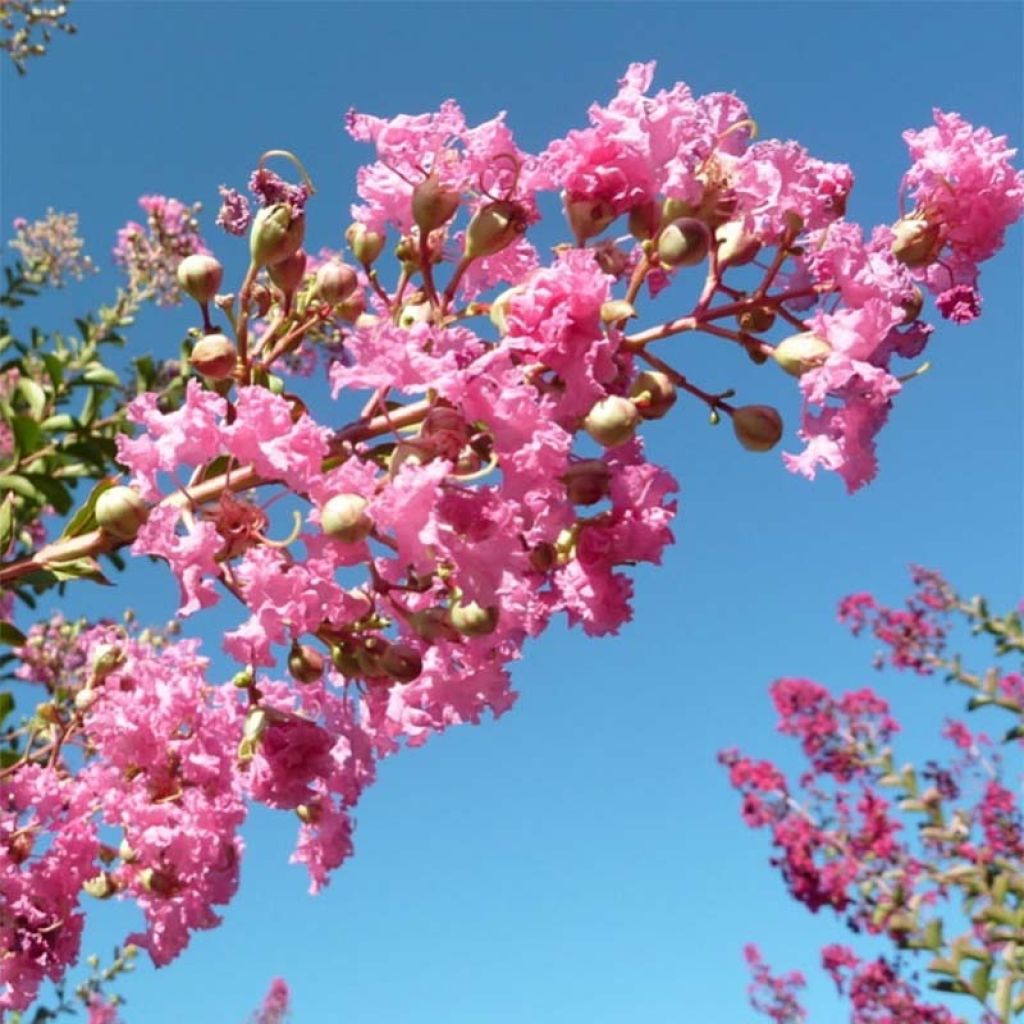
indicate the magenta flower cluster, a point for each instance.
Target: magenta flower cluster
{"x":495,"y":479}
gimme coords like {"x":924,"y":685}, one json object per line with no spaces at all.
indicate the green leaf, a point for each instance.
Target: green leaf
{"x":62,"y":421}
{"x":7,"y":523}
{"x":56,"y":493}
{"x":980,"y":981}
{"x":54,"y":367}
{"x":28,"y":437}
{"x":84,"y":519}
{"x":78,"y":569}
{"x":89,"y":407}
{"x":97,"y":373}
{"x":34,"y":395}
{"x":6,"y":705}
{"x":19,"y":485}
{"x":12,"y":637}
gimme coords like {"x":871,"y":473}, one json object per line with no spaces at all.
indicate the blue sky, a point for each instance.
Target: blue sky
{"x":582,"y":859}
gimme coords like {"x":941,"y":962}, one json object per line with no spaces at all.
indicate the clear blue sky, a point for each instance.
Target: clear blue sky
{"x":582,"y":859}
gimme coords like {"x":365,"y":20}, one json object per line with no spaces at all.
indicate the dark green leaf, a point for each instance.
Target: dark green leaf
{"x":27,"y":435}
{"x":19,"y":485}
{"x":12,"y":637}
{"x":56,"y":493}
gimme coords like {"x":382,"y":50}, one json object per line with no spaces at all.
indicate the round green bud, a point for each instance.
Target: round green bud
{"x":758,"y":427}
{"x":495,"y":226}
{"x":433,"y":205}
{"x":214,"y":356}
{"x":586,"y":482}
{"x":916,"y":242}
{"x":801,"y":352}
{"x":277,"y":233}
{"x":653,"y":394}
{"x":401,"y":662}
{"x":305,"y":663}
{"x":344,"y":518}
{"x":336,"y":282}
{"x":612,"y":421}
{"x":366,"y":245}
{"x":199,"y":277}
{"x":735,"y":247}
{"x":120,"y":511}
{"x":472,"y":620}
{"x":683,"y":243}
{"x":913,"y":305}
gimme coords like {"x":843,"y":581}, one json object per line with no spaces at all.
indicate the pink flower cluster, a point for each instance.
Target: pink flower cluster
{"x":910,"y":855}
{"x":150,"y":253}
{"x":774,"y":996}
{"x":494,"y":480}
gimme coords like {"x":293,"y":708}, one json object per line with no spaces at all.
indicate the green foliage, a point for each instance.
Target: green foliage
{"x":62,"y":406}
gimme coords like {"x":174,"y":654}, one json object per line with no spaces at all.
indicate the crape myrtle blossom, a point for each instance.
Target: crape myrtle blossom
{"x":929,"y":858}
{"x":388,"y":571}
{"x":150,"y":253}
{"x":965,"y":193}
{"x":51,"y":248}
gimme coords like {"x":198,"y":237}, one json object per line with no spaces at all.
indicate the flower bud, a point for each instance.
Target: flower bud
{"x":495,"y":226}
{"x":369,"y":655}
{"x":344,"y":518}
{"x":588,"y":217}
{"x":472,"y":620}
{"x":758,"y":427}
{"x":288,"y":273}
{"x":105,"y":658}
{"x":543,"y":556}
{"x":586,"y":482}
{"x":402,"y":662}
{"x":610,"y":258}
{"x":499,"y":308}
{"x":366,"y":245}
{"x":916,"y":242}
{"x":615,"y":310}
{"x":756,"y":320}
{"x":735,"y":247}
{"x":160,"y":882}
{"x":683,"y":243}
{"x":801,"y":352}
{"x":612,"y":421}
{"x":120,"y":512}
{"x":352,"y":308}
{"x":431,"y":623}
{"x":85,"y":699}
{"x":214,"y":356}
{"x":305,"y":663}
{"x":912,"y":305}
{"x":644,"y":220}
{"x":277,"y":233}
{"x":101,"y":886}
{"x":261,"y":299}
{"x":345,"y":661}
{"x":433,"y":205}
{"x":653,"y":394}
{"x":335,"y":282}
{"x":199,"y":277}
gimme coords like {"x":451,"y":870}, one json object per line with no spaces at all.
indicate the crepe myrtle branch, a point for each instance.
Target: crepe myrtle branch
{"x":245,"y":478}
